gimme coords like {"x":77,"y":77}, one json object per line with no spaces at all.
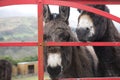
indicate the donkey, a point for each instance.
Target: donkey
{"x":64,"y":61}
{"x":93,"y":27}
{"x":5,"y":70}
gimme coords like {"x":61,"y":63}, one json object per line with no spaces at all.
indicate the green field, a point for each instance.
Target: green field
{"x":25,"y":78}
{"x":33,"y":77}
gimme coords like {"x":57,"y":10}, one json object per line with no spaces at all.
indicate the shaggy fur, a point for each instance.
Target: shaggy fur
{"x":5,"y":70}
{"x":76,"y":61}
{"x":105,"y":31}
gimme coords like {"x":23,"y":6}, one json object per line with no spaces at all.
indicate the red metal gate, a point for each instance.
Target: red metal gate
{"x":72,"y":3}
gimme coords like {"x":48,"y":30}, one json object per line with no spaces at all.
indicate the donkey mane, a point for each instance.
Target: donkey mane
{"x":111,"y":33}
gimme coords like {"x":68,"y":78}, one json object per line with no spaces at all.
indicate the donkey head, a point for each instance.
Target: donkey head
{"x":91,"y":26}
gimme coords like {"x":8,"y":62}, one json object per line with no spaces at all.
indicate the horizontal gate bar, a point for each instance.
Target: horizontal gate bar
{"x":16,"y":2}
{"x":82,"y":44}
{"x":12,"y":44}
{"x":95,"y":1}
{"x":9,"y":44}
{"x":97,"y":78}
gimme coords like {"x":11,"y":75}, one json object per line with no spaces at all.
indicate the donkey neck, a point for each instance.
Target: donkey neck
{"x":109,"y":55}
{"x":111,"y":34}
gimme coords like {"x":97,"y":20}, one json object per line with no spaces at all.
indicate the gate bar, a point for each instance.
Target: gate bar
{"x":14,"y":44}
{"x":95,"y":1}
{"x":40,"y":41}
{"x":82,"y":44}
{"x":97,"y":78}
{"x":83,"y":7}
{"x":17,"y":2}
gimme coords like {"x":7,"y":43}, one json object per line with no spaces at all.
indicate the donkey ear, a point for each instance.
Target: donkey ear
{"x":46,"y":13}
{"x":64,"y":12}
{"x":102,"y":7}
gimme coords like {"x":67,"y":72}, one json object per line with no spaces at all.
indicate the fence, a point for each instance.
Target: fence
{"x":72,"y":3}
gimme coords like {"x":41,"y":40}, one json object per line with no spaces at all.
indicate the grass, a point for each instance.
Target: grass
{"x":35,"y":77}
{"x":28,"y":77}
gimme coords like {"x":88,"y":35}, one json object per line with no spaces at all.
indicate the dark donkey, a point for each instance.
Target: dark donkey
{"x":5,"y":70}
{"x":64,"y":61}
{"x":93,"y":27}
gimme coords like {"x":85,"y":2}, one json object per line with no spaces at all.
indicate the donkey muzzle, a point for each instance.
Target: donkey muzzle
{"x":54,"y":71}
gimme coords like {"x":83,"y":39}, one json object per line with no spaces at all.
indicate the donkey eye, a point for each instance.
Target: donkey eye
{"x":46,"y":37}
{"x":64,"y":36}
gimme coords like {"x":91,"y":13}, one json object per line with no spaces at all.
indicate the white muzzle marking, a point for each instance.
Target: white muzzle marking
{"x":85,"y":21}
{"x":54,"y":59}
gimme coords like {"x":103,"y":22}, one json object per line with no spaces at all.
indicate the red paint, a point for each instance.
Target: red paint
{"x":14,"y":44}
{"x":40,"y":44}
{"x":40,"y":41}
{"x":16,"y":2}
{"x":101,"y":78}
{"x":82,"y":44}
{"x":94,"y":1}
{"x":84,"y":7}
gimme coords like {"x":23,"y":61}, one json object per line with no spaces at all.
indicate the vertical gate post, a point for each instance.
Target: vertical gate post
{"x":40,"y":41}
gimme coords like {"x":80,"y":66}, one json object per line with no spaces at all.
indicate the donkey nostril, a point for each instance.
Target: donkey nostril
{"x":54,"y":71}
{"x":87,"y":29}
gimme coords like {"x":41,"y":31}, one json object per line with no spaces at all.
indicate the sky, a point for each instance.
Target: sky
{"x":31,"y":10}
